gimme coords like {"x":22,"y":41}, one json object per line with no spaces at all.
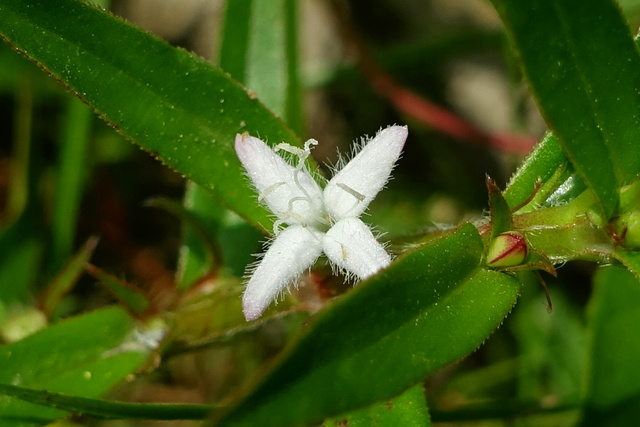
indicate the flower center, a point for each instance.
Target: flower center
{"x":305,"y":209}
{"x":313,"y":214}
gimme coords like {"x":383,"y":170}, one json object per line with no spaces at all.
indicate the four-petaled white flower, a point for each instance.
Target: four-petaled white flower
{"x":318,"y":220}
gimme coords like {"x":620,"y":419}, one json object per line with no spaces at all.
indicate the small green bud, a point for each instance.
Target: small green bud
{"x":507,"y":250}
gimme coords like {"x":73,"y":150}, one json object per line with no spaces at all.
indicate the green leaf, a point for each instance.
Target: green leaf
{"x":131,"y":297}
{"x":504,"y":410}
{"x":630,"y":259}
{"x":235,"y":38}
{"x":70,"y":180}
{"x":173,"y":103}
{"x":613,"y":391}
{"x":272,"y":46}
{"x":83,"y":356}
{"x":552,"y":352}
{"x":199,"y":215}
{"x":431,"y":307}
{"x":566,"y":232}
{"x":228,"y":328}
{"x":67,"y":277}
{"x":407,"y":410}
{"x":108,"y":409}
{"x":543,"y":162}
{"x":500,"y":212}
{"x":584,"y":71}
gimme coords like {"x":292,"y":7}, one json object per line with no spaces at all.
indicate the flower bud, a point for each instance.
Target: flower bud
{"x":507,"y":250}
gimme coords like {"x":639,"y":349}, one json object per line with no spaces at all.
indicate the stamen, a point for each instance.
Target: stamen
{"x":351,"y":191}
{"x":276,"y":226}
{"x":301,"y":153}
{"x":270,"y":189}
{"x":300,"y":187}
{"x":284,"y":216}
{"x":295,"y":199}
{"x":283,"y":146}
{"x":308,"y":144}
{"x":356,"y":194}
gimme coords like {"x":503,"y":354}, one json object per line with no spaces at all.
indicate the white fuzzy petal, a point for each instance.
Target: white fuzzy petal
{"x":352,"y":189}
{"x":351,"y":246}
{"x":292,"y":252}
{"x":275,"y":181}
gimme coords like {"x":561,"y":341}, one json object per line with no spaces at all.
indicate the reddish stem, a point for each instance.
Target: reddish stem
{"x":420,"y":108}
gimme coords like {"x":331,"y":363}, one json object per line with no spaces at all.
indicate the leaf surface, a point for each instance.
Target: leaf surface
{"x":407,"y":410}
{"x":430,"y":308}
{"x":172,"y":103}
{"x":84,"y":356}
{"x":584,"y":70}
{"x":613,"y":379}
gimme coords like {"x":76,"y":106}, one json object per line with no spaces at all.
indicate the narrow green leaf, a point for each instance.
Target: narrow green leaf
{"x":199,"y":215}
{"x":66,"y":278}
{"x":564,"y":187}
{"x":83,"y":356}
{"x":539,"y":166}
{"x":294,"y":109}
{"x":432,"y":307}
{"x":613,"y":391}
{"x":108,"y":409}
{"x":500,"y":211}
{"x":131,"y":297}
{"x":190,"y":320}
{"x":70,"y":179}
{"x":174,"y":104}
{"x":199,"y":253}
{"x":584,"y":70}
{"x":235,"y":38}
{"x":407,"y":410}
{"x":272,"y":30}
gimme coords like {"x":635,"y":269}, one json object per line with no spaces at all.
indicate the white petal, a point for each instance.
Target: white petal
{"x":352,"y":189}
{"x":293,"y":251}
{"x":292,"y":195}
{"x":350,"y":245}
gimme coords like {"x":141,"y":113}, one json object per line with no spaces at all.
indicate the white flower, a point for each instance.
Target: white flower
{"x":318,"y":220}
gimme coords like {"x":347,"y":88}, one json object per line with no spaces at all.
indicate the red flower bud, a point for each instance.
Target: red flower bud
{"x":507,"y":250}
